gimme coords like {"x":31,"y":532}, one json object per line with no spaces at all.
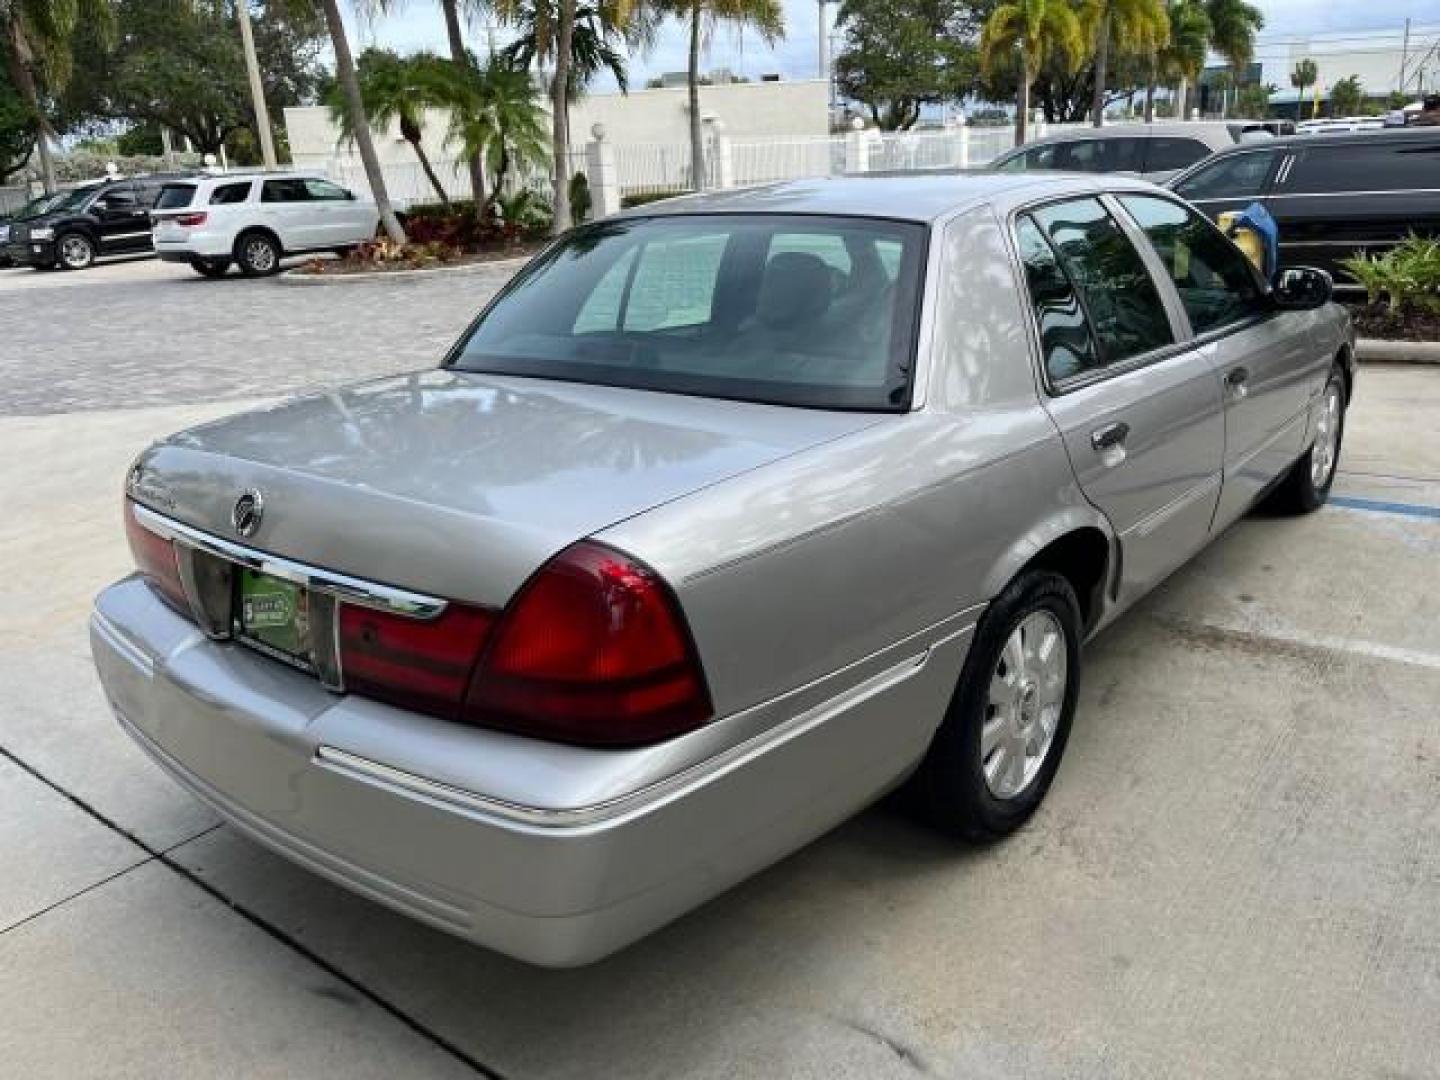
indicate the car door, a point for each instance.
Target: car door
{"x":1139,"y":410}
{"x":1350,"y":196}
{"x":340,"y":218}
{"x":123,"y":221}
{"x":1229,"y":181}
{"x":285,"y":208}
{"x":1266,"y":365}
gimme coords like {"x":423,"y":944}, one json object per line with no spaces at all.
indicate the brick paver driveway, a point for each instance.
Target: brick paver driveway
{"x":139,"y":333}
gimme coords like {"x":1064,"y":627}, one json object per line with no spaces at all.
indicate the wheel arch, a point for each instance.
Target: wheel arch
{"x":1077,"y":544}
{"x":254,"y":230}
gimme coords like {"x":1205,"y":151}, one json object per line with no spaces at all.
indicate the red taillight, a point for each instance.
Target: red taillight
{"x":593,"y":650}
{"x":421,"y":664}
{"x":190,"y":221}
{"x":155,"y":559}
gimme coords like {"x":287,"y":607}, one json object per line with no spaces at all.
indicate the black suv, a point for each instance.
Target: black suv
{"x":1332,"y":195}
{"x":111,"y":217}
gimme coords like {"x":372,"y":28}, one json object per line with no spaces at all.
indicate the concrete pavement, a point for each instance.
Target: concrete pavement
{"x":1236,"y":872}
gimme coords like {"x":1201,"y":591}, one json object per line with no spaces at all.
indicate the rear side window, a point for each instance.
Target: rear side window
{"x":324,"y":191}
{"x":280,"y":191}
{"x":1168,"y":154}
{"x":1065,"y":342}
{"x":1101,"y":155}
{"x":175,"y":196}
{"x":1118,"y":293}
{"x":1364,"y":166}
{"x":1039,"y":157}
{"x":228,"y":194}
{"x":1216,"y":284}
{"x":1236,"y":176}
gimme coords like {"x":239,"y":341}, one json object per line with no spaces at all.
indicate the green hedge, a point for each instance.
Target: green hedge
{"x":642,"y":199}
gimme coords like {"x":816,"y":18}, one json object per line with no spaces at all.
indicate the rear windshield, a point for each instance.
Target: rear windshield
{"x":792,"y":310}
{"x":175,"y":196}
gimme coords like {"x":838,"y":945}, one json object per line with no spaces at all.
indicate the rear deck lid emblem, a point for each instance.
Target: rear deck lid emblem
{"x":248,"y":510}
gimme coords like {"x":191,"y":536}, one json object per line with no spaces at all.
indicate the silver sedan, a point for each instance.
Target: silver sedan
{"x":725,"y":518}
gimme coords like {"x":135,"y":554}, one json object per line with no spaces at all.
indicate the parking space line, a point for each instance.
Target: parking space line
{"x":1381,"y":506}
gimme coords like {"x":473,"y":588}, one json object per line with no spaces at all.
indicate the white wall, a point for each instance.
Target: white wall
{"x":1375,"y":56}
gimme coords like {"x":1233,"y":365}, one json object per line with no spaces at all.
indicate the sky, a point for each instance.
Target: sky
{"x":418,"y":25}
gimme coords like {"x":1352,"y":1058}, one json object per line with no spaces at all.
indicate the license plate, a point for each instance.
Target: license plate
{"x":273,"y":615}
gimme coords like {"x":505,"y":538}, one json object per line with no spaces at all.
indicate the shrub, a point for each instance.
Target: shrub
{"x":1407,"y":277}
{"x":580,"y":197}
{"x":644,"y":198}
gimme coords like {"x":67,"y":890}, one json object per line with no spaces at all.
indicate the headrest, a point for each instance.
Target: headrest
{"x":796,"y":288}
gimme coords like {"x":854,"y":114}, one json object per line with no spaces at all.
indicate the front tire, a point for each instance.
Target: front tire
{"x":1000,"y":744}
{"x":1307,"y":487}
{"x":257,"y":254}
{"x":75,"y":251}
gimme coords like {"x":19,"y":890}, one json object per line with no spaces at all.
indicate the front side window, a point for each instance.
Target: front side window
{"x":1169,"y":155}
{"x":1215,"y":281}
{"x":283,"y":191}
{"x":1065,"y":342}
{"x":1239,"y":176}
{"x":324,"y":191}
{"x":811,"y":311}
{"x":1119,"y":295}
{"x":229,"y":194}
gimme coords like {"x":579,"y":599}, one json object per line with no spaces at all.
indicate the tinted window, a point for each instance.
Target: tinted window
{"x":1119,"y":296}
{"x":1365,"y":166}
{"x":1065,"y":341}
{"x":120,"y":196}
{"x":228,"y":194}
{"x":175,"y":196}
{"x":1167,"y":154}
{"x":276,"y":191}
{"x":803,"y":311}
{"x":1215,"y":281}
{"x":324,"y":191}
{"x":1100,"y":155}
{"x":1039,"y":157}
{"x":1239,"y":176}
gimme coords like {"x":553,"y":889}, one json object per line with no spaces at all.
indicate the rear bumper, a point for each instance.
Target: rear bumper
{"x":199,"y":245}
{"x":554,"y":886}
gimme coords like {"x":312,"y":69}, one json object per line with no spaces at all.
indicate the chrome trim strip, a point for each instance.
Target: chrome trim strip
{"x":1349,"y":194}
{"x":1148,"y":524}
{"x":352,"y":590}
{"x":412,"y":785}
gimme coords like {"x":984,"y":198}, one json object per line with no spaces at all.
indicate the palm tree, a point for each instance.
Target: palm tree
{"x":1233,"y":24}
{"x":36,"y":36}
{"x":1134,"y":26}
{"x":765,"y":16}
{"x":1222,"y":82}
{"x":1036,"y":29}
{"x":493,"y":116}
{"x":349,"y":82}
{"x":460,"y":55}
{"x":1304,"y":75}
{"x":393,"y":88}
{"x":597,"y":46}
{"x":1182,"y":57}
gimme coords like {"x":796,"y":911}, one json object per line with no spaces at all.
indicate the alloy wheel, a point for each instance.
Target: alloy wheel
{"x":1326,"y":450}
{"x":260,"y":255}
{"x":76,"y":252}
{"x":1026,"y":698}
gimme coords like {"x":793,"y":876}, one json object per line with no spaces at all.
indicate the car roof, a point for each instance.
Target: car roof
{"x":1204,"y":130}
{"x":922,"y":198}
{"x":1367,"y":136}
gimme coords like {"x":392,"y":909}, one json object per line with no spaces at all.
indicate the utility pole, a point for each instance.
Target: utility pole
{"x":823,"y":37}
{"x":257,"y":89}
{"x":1404,"y":56}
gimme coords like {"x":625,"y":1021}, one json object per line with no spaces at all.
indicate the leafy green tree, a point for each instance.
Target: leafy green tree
{"x":36,"y":36}
{"x":1252,"y":101}
{"x":392,"y":88}
{"x":1182,"y":57}
{"x":494,"y":114}
{"x":180,"y":66}
{"x":599,"y":44}
{"x":1136,"y":27}
{"x":1347,"y":96}
{"x":349,"y":80}
{"x":1233,"y":25}
{"x":896,"y":58}
{"x":17,"y":129}
{"x":1304,"y":75}
{"x":1035,"y":30}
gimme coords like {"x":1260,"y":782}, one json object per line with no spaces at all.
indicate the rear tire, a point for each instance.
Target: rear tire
{"x":1000,"y":744}
{"x":211,"y":268}
{"x":1307,"y":486}
{"x":257,"y":254}
{"x":75,"y":251}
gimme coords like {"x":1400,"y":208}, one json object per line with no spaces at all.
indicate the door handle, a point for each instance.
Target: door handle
{"x":1109,"y":443}
{"x":1237,"y":382}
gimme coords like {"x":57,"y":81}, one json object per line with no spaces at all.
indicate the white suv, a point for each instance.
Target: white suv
{"x":254,"y":220}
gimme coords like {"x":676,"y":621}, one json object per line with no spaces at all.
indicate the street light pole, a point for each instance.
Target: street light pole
{"x":824,"y":36}
{"x":257,"y":89}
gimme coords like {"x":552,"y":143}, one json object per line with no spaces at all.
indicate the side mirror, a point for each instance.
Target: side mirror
{"x":1302,"y":288}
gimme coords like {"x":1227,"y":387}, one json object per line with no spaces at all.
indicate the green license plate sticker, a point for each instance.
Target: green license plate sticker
{"x":275,"y":613}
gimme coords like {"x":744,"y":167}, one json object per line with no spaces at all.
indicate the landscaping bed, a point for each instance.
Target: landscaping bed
{"x":1407,"y":324}
{"x":1402,"y":292}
